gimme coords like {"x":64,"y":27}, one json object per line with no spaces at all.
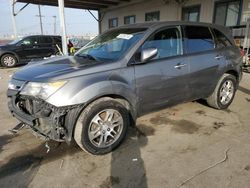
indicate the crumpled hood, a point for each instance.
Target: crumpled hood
{"x":58,"y":68}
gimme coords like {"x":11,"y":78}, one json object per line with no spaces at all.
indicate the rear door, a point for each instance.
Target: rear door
{"x":57,"y":43}
{"x":46,"y":47}
{"x":224,"y":47}
{"x":162,"y":81}
{"x":204,"y":60}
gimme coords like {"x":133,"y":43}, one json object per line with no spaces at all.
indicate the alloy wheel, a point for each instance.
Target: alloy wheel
{"x":105,"y":128}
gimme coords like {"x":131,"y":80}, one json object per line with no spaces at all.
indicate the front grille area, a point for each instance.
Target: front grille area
{"x":42,"y":117}
{"x":25,"y":105}
{"x":47,"y":120}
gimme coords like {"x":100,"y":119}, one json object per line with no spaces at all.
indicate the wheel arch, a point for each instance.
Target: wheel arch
{"x":234,"y":73}
{"x":75,"y":113}
{"x":11,"y":53}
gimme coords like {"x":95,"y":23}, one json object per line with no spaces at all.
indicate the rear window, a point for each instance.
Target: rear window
{"x":57,"y":39}
{"x":198,"y":39}
{"x":221,"y":39}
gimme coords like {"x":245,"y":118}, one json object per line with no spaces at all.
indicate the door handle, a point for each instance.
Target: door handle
{"x":179,"y":66}
{"x":218,"y":57}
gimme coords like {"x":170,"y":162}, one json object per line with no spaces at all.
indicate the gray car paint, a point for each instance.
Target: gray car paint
{"x":147,"y":87}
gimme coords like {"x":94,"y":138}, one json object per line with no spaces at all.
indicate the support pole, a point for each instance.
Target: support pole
{"x":62,"y":26}
{"x":247,"y":34}
{"x":40,"y":17}
{"x":54,"y":25}
{"x":99,"y":19}
{"x":99,"y":22}
{"x":13,"y":19}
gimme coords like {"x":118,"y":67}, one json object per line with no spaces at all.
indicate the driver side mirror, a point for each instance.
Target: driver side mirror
{"x":148,"y":54}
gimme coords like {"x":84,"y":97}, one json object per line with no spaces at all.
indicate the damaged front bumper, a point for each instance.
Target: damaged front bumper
{"x":45,"y":120}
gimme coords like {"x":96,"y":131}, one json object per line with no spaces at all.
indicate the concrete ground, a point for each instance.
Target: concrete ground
{"x":188,"y":141}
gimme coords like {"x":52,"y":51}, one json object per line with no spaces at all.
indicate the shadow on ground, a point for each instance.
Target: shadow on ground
{"x":127,"y":165}
{"x":22,"y":166}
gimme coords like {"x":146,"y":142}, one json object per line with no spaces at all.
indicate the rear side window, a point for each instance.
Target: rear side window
{"x":198,"y":39}
{"x":221,"y":39}
{"x":45,"y":40}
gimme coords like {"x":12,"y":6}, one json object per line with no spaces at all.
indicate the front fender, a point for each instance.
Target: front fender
{"x":80,"y":90}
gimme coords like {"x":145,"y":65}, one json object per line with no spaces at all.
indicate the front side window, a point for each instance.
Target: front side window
{"x":152,"y":16}
{"x":227,"y":13}
{"x":191,"y":14}
{"x":221,"y":39}
{"x":113,"y":22}
{"x":129,"y":20}
{"x":168,"y":43}
{"x":111,"y":46}
{"x":198,"y":39}
{"x":29,"y":41}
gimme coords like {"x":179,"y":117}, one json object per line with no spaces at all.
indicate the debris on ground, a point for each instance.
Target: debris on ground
{"x":47,"y":147}
{"x":61,"y":165}
{"x":206,"y":169}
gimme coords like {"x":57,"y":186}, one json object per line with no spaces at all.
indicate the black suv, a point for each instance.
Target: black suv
{"x":31,"y":47}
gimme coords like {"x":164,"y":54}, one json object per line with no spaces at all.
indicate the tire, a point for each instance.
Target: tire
{"x":89,"y":135}
{"x":8,"y":60}
{"x":216,"y":100}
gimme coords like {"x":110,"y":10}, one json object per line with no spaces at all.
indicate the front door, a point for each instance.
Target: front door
{"x":28,"y":48}
{"x":162,"y":81}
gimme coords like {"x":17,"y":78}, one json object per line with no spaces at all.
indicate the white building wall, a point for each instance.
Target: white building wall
{"x":169,"y":10}
{"x":245,"y":11}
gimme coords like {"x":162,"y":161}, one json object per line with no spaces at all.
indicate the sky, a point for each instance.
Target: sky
{"x":78,"y":22}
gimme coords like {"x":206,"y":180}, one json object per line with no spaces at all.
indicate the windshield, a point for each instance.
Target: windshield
{"x":112,"y":45}
{"x":16,"y":41}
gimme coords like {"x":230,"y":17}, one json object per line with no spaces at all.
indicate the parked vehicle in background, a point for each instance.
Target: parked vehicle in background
{"x":27,"y":48}
{"x":122,"y":74}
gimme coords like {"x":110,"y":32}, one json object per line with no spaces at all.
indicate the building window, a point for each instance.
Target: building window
{"x":227,"y":13}
{"x":129,"y":19}
{"x":152,"y":16}
{"x":191,"y":14}
{"x":113,"y":22}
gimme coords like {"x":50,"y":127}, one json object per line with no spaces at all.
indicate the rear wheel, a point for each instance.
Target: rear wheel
{"x":101,"y":126}
{"x":224,"y":92}
{"x":58,"y":53}
{"x":8,"y":60}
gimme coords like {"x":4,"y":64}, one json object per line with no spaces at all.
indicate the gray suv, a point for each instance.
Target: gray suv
{"x":122,"y":74}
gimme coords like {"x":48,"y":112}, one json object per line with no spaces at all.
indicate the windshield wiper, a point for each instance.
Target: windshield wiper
{"x":87,"y":56}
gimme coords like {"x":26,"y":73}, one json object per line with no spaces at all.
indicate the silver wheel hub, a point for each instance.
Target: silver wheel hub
{"x":226,"y":92}
{"x":9,"y":61}
{"x":105,"y":128}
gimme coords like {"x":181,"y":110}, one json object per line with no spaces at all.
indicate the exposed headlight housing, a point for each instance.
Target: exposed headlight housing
{"x":41,"y":90}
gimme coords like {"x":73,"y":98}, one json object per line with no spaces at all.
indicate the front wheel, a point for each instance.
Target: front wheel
{"x":8,"y":60}
{"x":224,"y":92}
{"x":101,"y":126}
